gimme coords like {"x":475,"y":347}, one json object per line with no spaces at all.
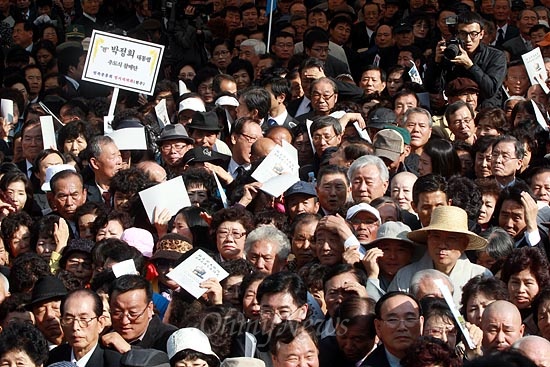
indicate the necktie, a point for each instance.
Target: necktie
{"x":240,"y":172}
{"x":500,"y":38}
{"x":271,"y":122}
{"x":106,"y":198}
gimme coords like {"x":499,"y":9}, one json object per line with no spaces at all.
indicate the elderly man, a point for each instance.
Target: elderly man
{"x":446,"y":238}
{"x":389,"y":252}
{"x":369,"y":178}
{"x":502,"y":326}
{"x":460,"y":118}
{"x":294,"y":341}
{"x":267,"y":249}
{"x":506,"y":159}
{"x":244,"y":133}
{"x":174,"y":142}
{"x":393,"y":146}
{"x":423,"y":285}
{"x":517,"y":215}
{"x":83,"y":321}
{"x":365,"y":221}
{"x":105,"y":161}
{"x":419,"y":123}
{"x":134,"y":321}
{"x":326,"y":132}
{"x":324,"y":95}
{"x":398,"y":324}
{"x":250,"y":50}
{"x":46,"y":299}
{"x":67,"y":195}
{"x":332,"y":189}
{"x":535,"y":348}
{"x":301,"y":198}
{"x":31,"y":145}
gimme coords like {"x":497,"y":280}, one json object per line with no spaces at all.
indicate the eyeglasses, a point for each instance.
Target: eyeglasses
{"x":70,"y":320}
{"x":473,"y":35}
{"x":235,"y":233}
{"x":320,"y":49}
{"x":357,"y":222}
{"x":326,"y":138}
{"x":221,"y":53}
{"x":249,"y":138}
{"x":438,"y":332}
{"x":269,"y":313}
{"x":394,"y":322}
{"x":186,"y":75}
{"x":177,"y":147}
{"x":132,"y":317}
{"x":465,"y":121}
{"x":317,"y":96}
{"x":505,"y":156}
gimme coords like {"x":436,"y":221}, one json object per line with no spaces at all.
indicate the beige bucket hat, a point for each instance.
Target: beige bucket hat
{"x":449,"y":219}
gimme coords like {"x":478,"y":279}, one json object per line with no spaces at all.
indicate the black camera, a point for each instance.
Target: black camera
{"x":452,"y":49}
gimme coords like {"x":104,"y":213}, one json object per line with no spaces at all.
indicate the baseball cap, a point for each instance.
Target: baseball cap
{"x":301,"y":187}
{"x":362,"y":207}
{"x":389,"y":144}
{"x":381,"y":117}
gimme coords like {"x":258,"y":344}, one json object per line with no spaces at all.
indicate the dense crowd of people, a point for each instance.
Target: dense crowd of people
{"x":414,"y":232}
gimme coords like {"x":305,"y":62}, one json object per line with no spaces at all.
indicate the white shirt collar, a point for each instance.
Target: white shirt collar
{"x":85,"y":358}
{"x":232,"y":168}
{"x":93,"y":19}
{"x":75,"y":84}
{"x":281,"y":118}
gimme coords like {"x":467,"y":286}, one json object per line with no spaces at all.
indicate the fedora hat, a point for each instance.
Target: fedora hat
{"x":175,"y":132}
{"x":205,"y":121}
{"x":449,"y":219}
{"x":48,"y":287}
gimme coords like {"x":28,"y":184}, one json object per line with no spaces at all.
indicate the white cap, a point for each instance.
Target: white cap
{"x":227,"y":101}
{"x":192,"y":103}
{"x":363,"y":207}
{"x":52,"y":171}
{"x":189,"y":338}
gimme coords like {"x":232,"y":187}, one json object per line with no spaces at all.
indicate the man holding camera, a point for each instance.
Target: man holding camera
{"x":466,"y":56}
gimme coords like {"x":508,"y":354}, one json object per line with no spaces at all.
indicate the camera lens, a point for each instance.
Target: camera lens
{"x":451,"y":52}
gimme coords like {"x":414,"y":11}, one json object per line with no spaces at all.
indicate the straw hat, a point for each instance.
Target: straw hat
{"x":449,"y":219}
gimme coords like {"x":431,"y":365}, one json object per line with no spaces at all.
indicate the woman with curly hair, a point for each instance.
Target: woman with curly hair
{"x":22,"y":344}
{"x":525,"y":272}
{"x":430,"y":351}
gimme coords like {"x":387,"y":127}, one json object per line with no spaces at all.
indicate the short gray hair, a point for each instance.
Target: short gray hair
{"x":431,"y":274}
{"x":368,"y":160}
{"x":271,"y":234}
{"x":419,"y":110}
{"x":96,"y":143}
{"x":259,"y":46}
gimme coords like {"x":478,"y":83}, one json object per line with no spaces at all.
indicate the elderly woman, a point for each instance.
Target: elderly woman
{"x":21,"y":344}
{"x":525,"y":272}
{"x":229,"y":228}
{"x":478,"y":293}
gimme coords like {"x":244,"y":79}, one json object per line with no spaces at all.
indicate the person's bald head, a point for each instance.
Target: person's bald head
{"x":502,"y":326}
{"x":153,"y":170}
{"x":278,"y":134}
{"x":534,"y":347}
{"x":261,"y":148}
